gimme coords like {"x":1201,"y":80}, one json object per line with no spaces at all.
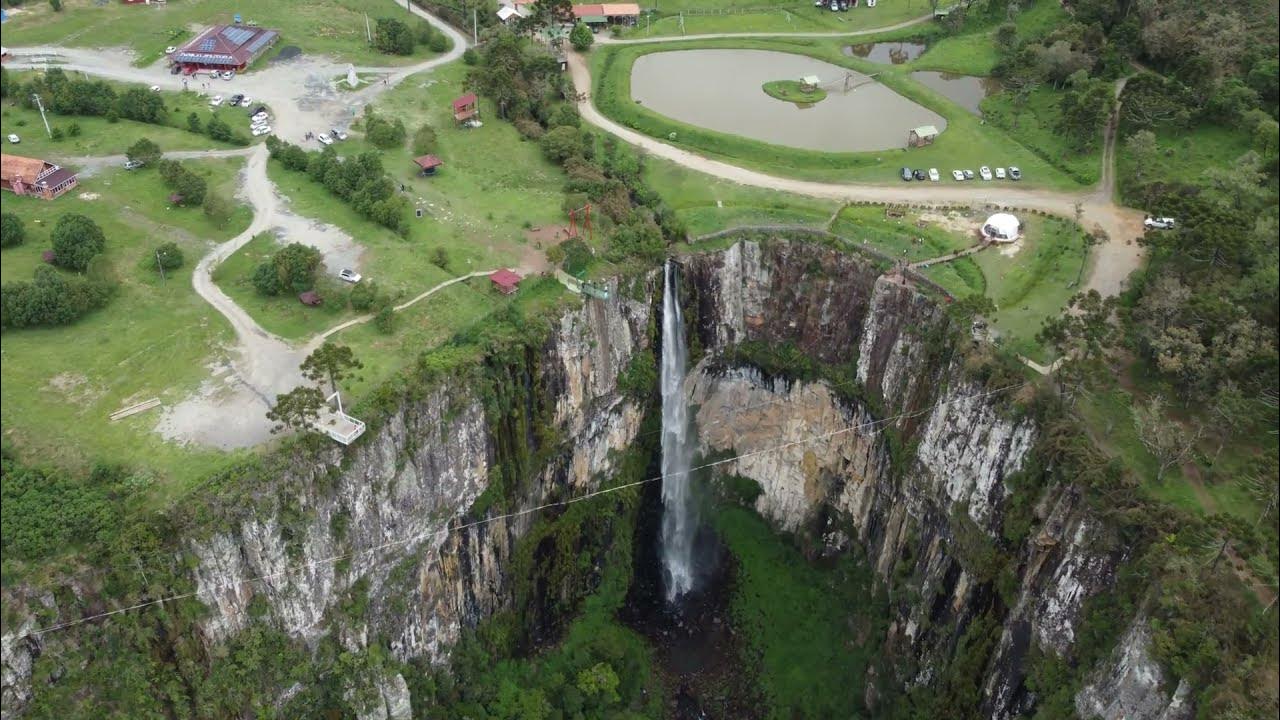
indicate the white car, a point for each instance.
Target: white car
{"x":324,"y":139}
{"x":999,"y":173}
{"x":215,"y":101}
{"x":155,"y":88}
{"x":14,"y":139}
{"x":350,"y":276}
{"x":260,"y":131}
{"x":984,"y":172}
{"x":228,"y":74}
{"x":170,"y":50}
{"x":933,"y":174}
{"x":260,"y":116}
{"x":339,"y":134}
{"x":1159,"y":223}
{"x":1014,"y":173}
{"x":957,"y":174}
{"x":244,"y":101}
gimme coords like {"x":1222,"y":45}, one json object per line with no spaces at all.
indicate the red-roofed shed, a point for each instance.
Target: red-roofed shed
{"x":428,"y":164}
{"x":506,"y":281}
{"x":310,"y":297}
{"x":465,"y":107}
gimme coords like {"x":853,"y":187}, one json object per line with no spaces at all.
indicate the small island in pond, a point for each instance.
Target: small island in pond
{"x":795,"y":91}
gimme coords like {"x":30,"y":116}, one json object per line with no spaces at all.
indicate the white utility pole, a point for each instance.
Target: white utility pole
{"x":475,"y":26}
{"x":368,"y":34}
{"x":40,"y":105}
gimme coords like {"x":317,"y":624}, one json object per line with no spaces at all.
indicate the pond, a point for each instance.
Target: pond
{"x":721,"y":90}
{"x":886,"y":53}
{"x":966,"y":91}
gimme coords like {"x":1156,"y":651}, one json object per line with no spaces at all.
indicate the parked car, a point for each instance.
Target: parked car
{"x":228,"y":74}
{"x":920,"y":175}
{"x":957,"y":174}
{"x":999,"y":173}
{"x":260,"y":110}
{"x":933,"y":175}
{"x":244,"y":101}
{"x":175,"y":69}
{"x":338,"y":134}
{"x":260,"y":131}
{"x":324,"y":139}
{"x":835,"y":6}
{"x":906,"y":174}
{"x":1014,"y":173}
{"x":984,"y":172}
{"x":215,"y":101}
{"x":155,"y":88}
{"x":14,"y":139}
{"x":260,"y":117}
{"x":133,"y":164}
{"x":236,"y":100}
{"x":170,"y":50}
{"x":349,"y":275}
{"x":968,"y":174}
{"x":1159,"y":223}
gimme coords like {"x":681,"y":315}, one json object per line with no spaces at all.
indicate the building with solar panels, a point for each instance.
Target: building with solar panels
{"x":224,"y":47}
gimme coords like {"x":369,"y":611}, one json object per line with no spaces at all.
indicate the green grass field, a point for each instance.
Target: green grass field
{"x":780,"y":16}
{"x":967,"y":142}
{"x":1032,"y":125}
{"x":154,"y":339}
{"x":1183,"y":155}
{"x":319,"y":27}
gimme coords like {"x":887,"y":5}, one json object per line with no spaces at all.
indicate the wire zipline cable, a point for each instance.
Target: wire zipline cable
{"x":518,"y":513}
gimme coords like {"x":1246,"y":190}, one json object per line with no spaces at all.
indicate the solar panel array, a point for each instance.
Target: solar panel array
{"x":207,"y":44}
{"x":237,"y":36}
{"x":263,"y":39}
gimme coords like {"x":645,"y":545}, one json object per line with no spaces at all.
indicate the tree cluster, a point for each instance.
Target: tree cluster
{"x":76,"y":240}
{"x":360,"y":181}
{"x":63,"y":94}
{"x":530,"y":91}
{"x":291,"y":269}
{"x":188,"y":186}
{"x":396,"y":37}
{"x":382,"y":132}
{"x":50,"y":298}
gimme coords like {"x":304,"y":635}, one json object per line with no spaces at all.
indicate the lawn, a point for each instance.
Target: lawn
{"x":708,"y":204}
{"x":1031,"y":123}
{"x":154,"y":339}
{"x":319,"y":27}
{"x":975,"y":52}
{"x":966,"y":141}
{"x":780,"y":16}
{"x":1183,"y":155}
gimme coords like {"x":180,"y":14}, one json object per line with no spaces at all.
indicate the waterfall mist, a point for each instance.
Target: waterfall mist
{"x":679,"y":521}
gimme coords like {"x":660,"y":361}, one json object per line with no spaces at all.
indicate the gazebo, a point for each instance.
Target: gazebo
{"x":428,"y":164}
{"x":1001,"y":228}
{"x":465,"y":107}
{"x":921,"y":136}
{"x":506,"y":281}
{"x":809,"y":83}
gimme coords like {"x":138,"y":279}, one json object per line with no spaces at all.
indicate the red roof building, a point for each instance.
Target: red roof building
{"x":224,"y":47}
{"x":506,"y":281}
{"x":428,"y":164}
{"x":465,"y":107}
{"x":310,"y":298}
{"x":34,"y":178}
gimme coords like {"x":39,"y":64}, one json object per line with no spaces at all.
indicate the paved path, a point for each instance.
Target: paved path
{"x":1114,"y":260}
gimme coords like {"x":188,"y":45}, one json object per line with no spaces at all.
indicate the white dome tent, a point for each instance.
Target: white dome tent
{"x":1001,"y":227}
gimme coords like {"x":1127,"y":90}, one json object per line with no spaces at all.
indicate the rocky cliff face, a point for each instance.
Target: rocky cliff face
{"x":833,"y":459}
{"x":829,"y":465}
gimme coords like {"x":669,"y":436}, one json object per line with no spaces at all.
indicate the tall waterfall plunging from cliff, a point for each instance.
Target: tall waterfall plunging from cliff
{"x":679,"y":524}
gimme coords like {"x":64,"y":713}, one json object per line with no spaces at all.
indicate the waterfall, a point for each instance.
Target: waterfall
{"x":679,"y":522}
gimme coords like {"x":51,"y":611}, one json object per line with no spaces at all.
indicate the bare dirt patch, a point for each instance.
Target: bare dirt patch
{"x":74,"y":387}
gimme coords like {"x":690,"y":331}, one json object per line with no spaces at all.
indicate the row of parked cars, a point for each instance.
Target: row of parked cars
{"x":984,"y":172}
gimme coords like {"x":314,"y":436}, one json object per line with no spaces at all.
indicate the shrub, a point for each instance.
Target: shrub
{"x":385,"y":320}
{"x":167,"y":256}
{"x":295,"y":265}
{"x":183,"y":182}
{"x":364,"y":295}
{"x":381,"y":132}
{"x":57,"y":134}
{"x":265,"y":280}
{"x":424,"y":140}
{"x":193,"y":123}
{"x":440,"y":258}
{"x":581,"y":37}
{"x":73,"y":129}
{"x":12,"y":230}
{"x":470,"y":57}
{"x":76,"y":239}
{"x":218,"y":130}
{"x":529,"y":128}
{"x":218,"y":208}
{"x":144,"y":151}
{"x":562,"y":143}
{"x":438,"y":43}
{"x":393,"y":37}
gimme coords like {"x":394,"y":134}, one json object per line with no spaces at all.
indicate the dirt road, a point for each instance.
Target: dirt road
{"x":1112,"y":260}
